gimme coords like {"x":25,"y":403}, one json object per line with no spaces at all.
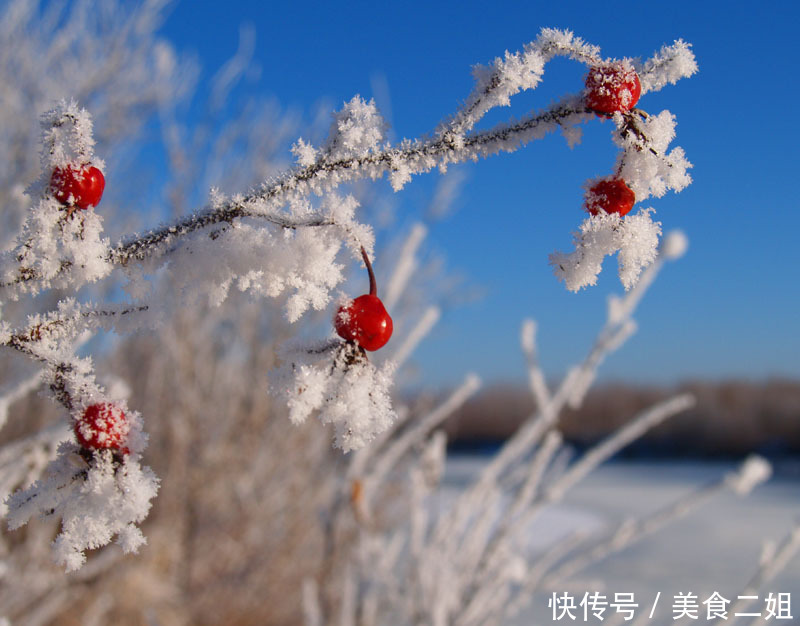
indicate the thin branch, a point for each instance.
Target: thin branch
{"x":415,"y":157}
{"x":769,"y":568}
{"x":418,"y":431}
{"x":21,"y":340}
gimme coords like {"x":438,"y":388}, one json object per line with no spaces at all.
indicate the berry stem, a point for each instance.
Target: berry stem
{"x":373,"y":285}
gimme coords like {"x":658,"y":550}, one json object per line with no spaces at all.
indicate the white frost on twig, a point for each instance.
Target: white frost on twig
{"x":102,"y":499}
{"x":668,"y":66}
{"x":53,"y":237}
{"x":644,"y":164}
{"x":337,"y":380}
{"x":635,"y":237}
{"x":754,"y":471}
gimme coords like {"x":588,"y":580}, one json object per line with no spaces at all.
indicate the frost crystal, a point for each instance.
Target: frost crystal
{"x":339,"y":381}
{"x":635,"y":237}
{"x":646,"y":167}
{"x":304,"y":152}
{"x":668,"y":66}
{"x":52,"y":237}
{"x":357,"y":130}
{"x":101,"y":499}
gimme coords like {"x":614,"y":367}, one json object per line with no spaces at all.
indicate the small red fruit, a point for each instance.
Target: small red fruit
{"x":102,"y":426}
{"x":610,"y":195}
{"x":612,"y":88}
{"x":81,"y":188}
{"x":365,"y":320}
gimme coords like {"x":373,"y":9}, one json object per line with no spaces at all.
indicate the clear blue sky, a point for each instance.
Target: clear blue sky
{"x":728,"y":308}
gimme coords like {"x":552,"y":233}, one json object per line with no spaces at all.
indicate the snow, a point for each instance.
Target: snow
{"x":716,"y":547}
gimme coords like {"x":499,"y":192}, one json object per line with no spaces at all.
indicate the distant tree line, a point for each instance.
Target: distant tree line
{"x":732,"y":417}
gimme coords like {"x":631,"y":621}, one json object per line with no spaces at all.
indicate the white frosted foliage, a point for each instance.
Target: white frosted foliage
{"x":634,"y":237}
{"x":96,"y":500}
{"x":638,"y":246}
{"x":54,"y":237}
{"x":675,"y":244}
{"x":338,"y":382}
{"x":648,"y":168}
{"x":299,"y":264}
{"x":754,"y":471}
{"x":288,"y":238}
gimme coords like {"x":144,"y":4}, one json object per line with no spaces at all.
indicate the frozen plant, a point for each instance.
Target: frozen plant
{"x":284,"y":239}
{"x":404,"y":552}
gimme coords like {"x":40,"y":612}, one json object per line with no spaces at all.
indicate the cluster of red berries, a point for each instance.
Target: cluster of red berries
{"x":365,"y":321}
{"x":102,"y":426}
{"x":78,"y":188}
{"x":611,"y":88}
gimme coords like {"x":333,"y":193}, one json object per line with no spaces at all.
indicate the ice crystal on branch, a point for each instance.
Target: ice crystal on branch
{"x":337,"y":380}
{"x":645,"y":164}
{"x":357,"y":130}
{"x":96,"y":500}
{"x":635,"y":237}
{"x":300,"y":264}
{"x":668,"y":66}
{"x":55,"y":237}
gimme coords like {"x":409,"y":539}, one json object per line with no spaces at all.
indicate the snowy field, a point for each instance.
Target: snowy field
{"x":715,"y":547}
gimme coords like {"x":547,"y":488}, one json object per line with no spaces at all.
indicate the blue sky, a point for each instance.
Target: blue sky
{"x":727,"y":309}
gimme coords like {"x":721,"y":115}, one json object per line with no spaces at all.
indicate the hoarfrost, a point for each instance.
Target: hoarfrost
{"x":336,"y":380}
{"x":645,"y":165}
{"x":284,"y":239}
{"x":105,"y":498}
{"x":635,"y":237}
{"x":668,"y":66}
{"x":52,"y":237}
{"x":357,"y":130}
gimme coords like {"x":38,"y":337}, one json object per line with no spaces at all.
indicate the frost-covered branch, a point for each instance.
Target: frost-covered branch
{"x":283,"y":238}
{"x":353,"y":151}
{"x":490,"y":565}
{"x":318,"y":178}
{"x":536,"y":382}
{"x":464,"y":564}
{"x":773,"y":562}
{"x":753,"y":471}
{"x":417,"y":432}
{"x":617,"y":441}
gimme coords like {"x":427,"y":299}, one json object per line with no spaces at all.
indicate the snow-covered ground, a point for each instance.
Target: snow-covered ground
{"x":715,"y":547}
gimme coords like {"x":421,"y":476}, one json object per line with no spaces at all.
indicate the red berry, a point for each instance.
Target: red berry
{"x":81,"y":188}
{"x":612,"y":88}
{"x":102,"y":426}
{"x":610,"y":195}
{"x":364,"y":321}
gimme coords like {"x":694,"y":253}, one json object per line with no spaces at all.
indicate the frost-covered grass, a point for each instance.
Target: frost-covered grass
{"x":715,"y":547}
